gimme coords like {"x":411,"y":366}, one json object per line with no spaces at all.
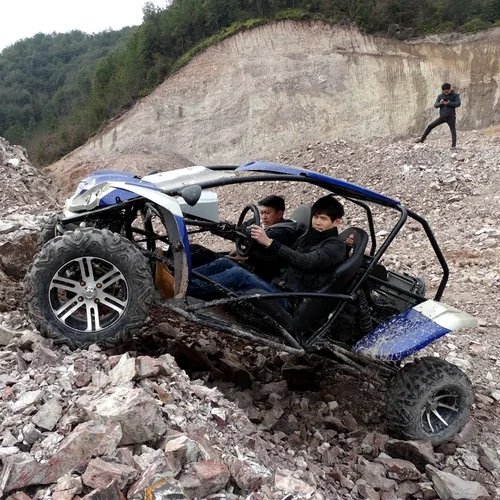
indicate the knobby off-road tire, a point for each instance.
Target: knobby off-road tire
{"x":49,"y":230}
{"x":89,"y":286}
{"x":429,"y":399}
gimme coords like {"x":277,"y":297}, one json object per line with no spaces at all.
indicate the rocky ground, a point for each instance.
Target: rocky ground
{"x":26,"y":198}
{"x":224,"y":419}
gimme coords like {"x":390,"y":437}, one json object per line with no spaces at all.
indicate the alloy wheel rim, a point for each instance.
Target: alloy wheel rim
{"x":88,"y":294}
{"x":440,"y":410}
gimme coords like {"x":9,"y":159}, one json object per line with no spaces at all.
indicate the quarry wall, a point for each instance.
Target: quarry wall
{"x":271,"y":88}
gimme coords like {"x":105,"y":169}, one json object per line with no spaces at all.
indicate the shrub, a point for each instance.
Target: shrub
{"x":474,"y":25}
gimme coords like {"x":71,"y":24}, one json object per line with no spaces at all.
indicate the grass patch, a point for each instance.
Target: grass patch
{"x":287,"y":14}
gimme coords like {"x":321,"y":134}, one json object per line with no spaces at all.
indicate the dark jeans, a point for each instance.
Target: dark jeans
{"x":230,"y":275}
{"x":450,"y":120}
{"x":201,"y":255}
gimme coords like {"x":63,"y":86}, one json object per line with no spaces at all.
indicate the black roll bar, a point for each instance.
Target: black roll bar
{"x":437,"y":251}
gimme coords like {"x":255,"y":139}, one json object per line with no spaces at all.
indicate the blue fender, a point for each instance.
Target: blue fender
{"x":412,"y":330}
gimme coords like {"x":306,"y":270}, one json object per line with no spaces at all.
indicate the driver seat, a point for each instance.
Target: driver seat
{"x":301,"y":324}
{"x":302,"y":216}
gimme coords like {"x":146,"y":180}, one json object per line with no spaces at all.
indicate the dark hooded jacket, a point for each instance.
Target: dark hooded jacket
{"x":267,"y":265}
{"x":447,"y":110}
{"x":310,"y":262}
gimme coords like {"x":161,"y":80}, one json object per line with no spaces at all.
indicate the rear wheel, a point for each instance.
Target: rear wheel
{"x":89,"y":286}
{"x":429,"y":399}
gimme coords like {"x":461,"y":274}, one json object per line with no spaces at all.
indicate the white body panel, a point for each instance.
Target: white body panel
{"x":206,"y":208}
{"x":90,"y":199}
{"x":188,"y":176}
{"x":446,"y":316}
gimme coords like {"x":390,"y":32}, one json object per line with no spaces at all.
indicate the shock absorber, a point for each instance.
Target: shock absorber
{"x":115,"y":225}
{"x":365,"y":321}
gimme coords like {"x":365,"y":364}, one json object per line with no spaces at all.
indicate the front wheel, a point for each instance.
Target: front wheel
{"x":89,"y":286}
{"x":51,"y":229}
{"x":429,"y":399}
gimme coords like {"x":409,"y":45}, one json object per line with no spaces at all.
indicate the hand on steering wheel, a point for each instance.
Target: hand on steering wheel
{"x":242,"y":239}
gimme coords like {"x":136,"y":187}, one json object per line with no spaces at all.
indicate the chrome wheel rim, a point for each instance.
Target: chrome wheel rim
{"x":440,"y":411}
{"x":88,"y":294}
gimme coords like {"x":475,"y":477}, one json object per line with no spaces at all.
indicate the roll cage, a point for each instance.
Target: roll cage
{"x":267,"y":171}
{"x":353,"y":193}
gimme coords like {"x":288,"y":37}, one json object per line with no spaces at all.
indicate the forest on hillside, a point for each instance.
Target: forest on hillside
{"x":58,"y":90}
{"x":44,"y":80}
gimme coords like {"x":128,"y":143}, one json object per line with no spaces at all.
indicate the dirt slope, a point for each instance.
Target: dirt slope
{"x":71,"y":169}
{"x":265,"y":90}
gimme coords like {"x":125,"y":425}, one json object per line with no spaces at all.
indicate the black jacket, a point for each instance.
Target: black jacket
{"x":265,"y":264}
{"x":311,"y":261}
{"x":446,"y":110}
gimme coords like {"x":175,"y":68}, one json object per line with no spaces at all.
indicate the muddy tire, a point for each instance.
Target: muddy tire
{"x":89,"y":286}
{"x":429,"y":399}
{"x":49,"y":230}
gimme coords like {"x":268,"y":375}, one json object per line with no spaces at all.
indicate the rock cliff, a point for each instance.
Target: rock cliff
{"x":268,"y":89}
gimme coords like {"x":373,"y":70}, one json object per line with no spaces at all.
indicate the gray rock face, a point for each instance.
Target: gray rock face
{"x":419,"y":453}
{"x":48,"y":415}
{"x":85,"y":441}
{"x":138,"y":414}
{"x":24,"y":200}
{"x":7,"y":335}
{"x":204,"y":478}
{"x":250,"y":476}
{"x":400,"y":470}
{"x":100,"y":473}
{"x":450,"y":487}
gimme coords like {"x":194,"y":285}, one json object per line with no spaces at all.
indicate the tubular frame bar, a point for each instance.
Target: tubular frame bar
{"x":369,"y":216}
{"x":345,"y":193}
{"x":233,"y":329}
{"x":437,"y":251}
{"x":267,"y":296}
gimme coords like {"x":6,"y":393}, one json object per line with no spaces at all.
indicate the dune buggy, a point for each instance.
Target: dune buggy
{"x":93,"y":282}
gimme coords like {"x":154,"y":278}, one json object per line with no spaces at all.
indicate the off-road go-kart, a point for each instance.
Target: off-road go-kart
{"x":93,"y":282}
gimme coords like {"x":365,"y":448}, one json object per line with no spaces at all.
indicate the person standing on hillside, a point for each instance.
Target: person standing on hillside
{"x":447,"y":102}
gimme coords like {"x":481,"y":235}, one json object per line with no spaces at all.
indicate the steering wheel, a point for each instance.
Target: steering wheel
{"x":242,"y":238}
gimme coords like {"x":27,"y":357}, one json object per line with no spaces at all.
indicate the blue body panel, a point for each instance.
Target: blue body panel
{"x":118,"y":195}
{"x":401,"y":336}
{"x":183,"y":232}
{"x":278,"y":168}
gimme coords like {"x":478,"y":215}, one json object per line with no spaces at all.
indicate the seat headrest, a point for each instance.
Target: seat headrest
{"x":302,"y":216}
{"x":355,"y":238}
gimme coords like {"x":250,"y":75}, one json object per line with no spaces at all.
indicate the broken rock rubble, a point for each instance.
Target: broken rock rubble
{"x":258,"y":425}
{"x":123,"y":436}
